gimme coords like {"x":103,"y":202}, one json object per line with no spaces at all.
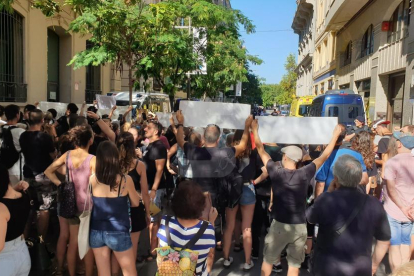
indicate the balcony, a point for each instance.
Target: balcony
{"x":341,"y":11}
{"x":303,"y":16}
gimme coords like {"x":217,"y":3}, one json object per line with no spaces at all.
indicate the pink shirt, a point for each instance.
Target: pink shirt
{"x":80,"y":178}
{"x":400,"y":168}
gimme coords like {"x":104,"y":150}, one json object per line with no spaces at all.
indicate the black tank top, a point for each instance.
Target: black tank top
{"x":19,"y":209}
{"x":136,"y":177}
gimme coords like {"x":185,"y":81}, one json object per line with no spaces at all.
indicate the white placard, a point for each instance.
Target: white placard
{"x":225,"y":115}
{"x":295,"y":130}
{"x":105,"y":102}
{"x":164,"y":118}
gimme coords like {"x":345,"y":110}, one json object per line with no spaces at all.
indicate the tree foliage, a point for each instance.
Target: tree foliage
{"x":270,"y":93}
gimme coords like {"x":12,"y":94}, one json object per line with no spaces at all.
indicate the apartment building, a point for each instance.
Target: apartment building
{"x":303,"y":25}
{"x":375,"y":58}
{"x":366,"y":46}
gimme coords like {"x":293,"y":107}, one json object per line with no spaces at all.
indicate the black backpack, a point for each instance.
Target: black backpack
{"x":8,"y":153}
{"x":230,"y":190}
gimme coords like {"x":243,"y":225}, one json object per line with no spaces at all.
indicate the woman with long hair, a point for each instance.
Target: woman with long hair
{"x":246,"y":164}
{"x":363,"y":143}
{"x":14,"y":212}
{"x":112,"y":192}
{"x":130,"y":165}
{"x":80,"y":164}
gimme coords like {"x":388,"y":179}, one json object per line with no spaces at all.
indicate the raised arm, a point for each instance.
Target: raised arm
{"x":112,"y":112}
{"x":82,"y":110}
{"x":259,"y":145}
{"x":180,"y":129}
{"x":241,"y":147}
{"x":328,"y":150}
{"x":103,"y":126}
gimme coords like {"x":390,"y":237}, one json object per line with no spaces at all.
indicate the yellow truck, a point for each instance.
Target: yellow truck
{"x":300,"y":106}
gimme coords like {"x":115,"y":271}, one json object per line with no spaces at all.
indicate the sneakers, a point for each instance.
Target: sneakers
{"x":277,"y":268}
{"x":247,"y":266}
{"x":227,"y":263}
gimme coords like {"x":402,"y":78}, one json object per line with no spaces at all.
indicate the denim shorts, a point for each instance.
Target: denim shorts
{"x":249,"y":195}
{"x":116,"y":240}
{"x":400,"y":231}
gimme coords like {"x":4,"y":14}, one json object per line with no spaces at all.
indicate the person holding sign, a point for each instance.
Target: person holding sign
{"x":289,"y":188}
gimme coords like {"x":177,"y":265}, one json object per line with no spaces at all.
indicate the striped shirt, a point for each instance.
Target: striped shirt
{"x":180,"y":236}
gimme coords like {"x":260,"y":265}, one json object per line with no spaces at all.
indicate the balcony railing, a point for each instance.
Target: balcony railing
{"x":13,"y":92}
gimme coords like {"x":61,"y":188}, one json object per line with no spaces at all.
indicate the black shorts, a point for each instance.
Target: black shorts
{"x":138,"y":221}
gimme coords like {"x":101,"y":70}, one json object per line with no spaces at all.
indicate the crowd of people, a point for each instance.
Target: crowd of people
{"x":334,"y":209}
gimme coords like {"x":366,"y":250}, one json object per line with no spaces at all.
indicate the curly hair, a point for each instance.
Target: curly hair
{"x":362,"y":143}
{"x":126,"y":147}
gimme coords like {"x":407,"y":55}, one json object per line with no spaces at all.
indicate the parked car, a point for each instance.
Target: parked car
{"x":344,"y":104}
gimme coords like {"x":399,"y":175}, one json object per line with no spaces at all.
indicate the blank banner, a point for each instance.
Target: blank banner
{"x":295,"y":130}
{"x":225,"y":115}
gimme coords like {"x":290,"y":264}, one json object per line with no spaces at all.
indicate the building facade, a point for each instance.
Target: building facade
{"x":303,"y":25}
{"x":34,"y":53}
{"x":367,"y":46}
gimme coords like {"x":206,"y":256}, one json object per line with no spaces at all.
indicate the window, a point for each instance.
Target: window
{"x":333,"y":111}
{"x":93,"y":79}
{"x":348,"y":54}
{"x":368,"y":42}
{"x":316,"y":90}
{"x":353,"y":111}
{"x":12,"y":86}
{"x":399,"y":22}
{"x":330,"y":84}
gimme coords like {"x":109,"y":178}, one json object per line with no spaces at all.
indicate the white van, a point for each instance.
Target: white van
{"x":156,"y":102}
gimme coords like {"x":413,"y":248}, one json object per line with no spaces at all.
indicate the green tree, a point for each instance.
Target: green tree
{"x":270,"y":93}
{"x":123,"y":32}
{"x":288,"y":82}
{"x":251,"y":90}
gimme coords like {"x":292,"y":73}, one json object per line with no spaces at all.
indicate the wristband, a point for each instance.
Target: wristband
{"x":254,"y":183}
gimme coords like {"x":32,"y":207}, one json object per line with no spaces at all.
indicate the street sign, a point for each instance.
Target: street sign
{"x":239,"y":89}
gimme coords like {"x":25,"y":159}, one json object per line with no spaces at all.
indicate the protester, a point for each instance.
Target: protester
{"x":39,"y":152}
{"x":362,"y":143}
{"x":246,"y":164}
{"x":289,"y":189}
{"x":110,"y":222}
{"x":24,"y":123}
{"x":14,"y":211}
{"x":155,"y":159}
{"x":102,"y":131}
{"x":399,"y":195}
{"x":263,"y":188}
{"x":348,"y":221}
{"x":187,"y":205}
{"x":210,"y":163}
{"x":80,"y":164}
{"x":384,"y":134}
{"x":324,"y":176}
{"x":63,"y":122}
{"x":12,"y":113}
{"x":130,"y":165}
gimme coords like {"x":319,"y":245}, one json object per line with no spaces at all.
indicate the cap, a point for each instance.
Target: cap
{"x":406,"y":139}
{"x":361,"y":119}
{"x":293,"y":152}
{"x":380,"y":122}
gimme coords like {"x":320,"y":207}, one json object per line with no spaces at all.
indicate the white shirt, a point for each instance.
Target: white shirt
{"x":15,"y":170}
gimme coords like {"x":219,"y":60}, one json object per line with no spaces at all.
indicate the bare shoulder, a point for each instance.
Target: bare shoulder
{"x":4,"y":212}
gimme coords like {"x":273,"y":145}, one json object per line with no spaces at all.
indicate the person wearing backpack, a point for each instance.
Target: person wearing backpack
{"x":10,"y":156}
{"x":186,"y":242}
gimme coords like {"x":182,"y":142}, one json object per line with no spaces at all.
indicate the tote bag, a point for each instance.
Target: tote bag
{"x":85,"y":220}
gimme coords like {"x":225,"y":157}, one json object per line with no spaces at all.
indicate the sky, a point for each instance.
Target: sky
{"x":268,"y":43}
